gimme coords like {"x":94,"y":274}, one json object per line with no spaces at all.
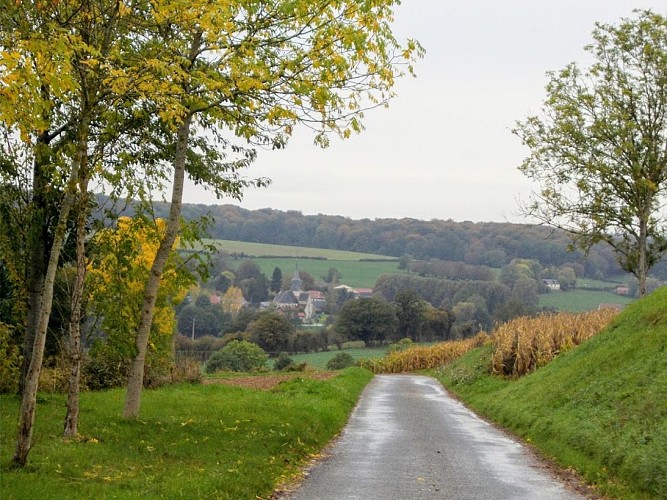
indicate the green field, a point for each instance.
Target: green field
{"x":580,"y":300}
{"x":264,"y":250}
{"x":355,"y":274}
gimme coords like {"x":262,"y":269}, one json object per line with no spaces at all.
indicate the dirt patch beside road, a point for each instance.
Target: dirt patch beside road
{"x":266,"y":382}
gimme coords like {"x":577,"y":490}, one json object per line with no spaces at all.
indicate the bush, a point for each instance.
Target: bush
{"x":401,"y":345}
{"x":237,"y":356}
{"x":284,"y":362}
{"x":186,"y":370}
{"x":104,"y":369}
{"x":340,"y":361}
{"x":10,"y":361}
{"x":353,"y":344}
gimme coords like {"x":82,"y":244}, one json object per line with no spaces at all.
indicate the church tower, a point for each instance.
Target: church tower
{"x":295,"y":285}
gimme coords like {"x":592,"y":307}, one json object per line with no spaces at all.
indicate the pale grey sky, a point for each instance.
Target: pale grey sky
{"x":443,"y":149}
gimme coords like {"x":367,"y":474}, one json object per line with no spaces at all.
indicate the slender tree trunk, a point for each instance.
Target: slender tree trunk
{"x":71,"y":428}
{"x":136,"y":378}
{"x":641,"y":260}
{"x":37,"y":256}
{"x":29,"y":395}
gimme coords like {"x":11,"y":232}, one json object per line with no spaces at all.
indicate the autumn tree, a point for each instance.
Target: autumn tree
{"x":116,"y":278}
{"x":54,"y":60}
{"x":599,"y":147}
{"x":256,"y":69}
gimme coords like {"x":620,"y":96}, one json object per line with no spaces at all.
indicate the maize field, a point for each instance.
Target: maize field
{"x":422,"y":357}
{"x":525,"y":344}
{"x":520,"y":346}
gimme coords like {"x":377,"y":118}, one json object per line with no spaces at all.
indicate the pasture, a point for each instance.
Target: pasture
{"x":580,"y":300}
{"x":268,"y":250}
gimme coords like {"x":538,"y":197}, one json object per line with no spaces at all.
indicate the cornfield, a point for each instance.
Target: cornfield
{"x":423,"y":358}
{"x":525,"y":344}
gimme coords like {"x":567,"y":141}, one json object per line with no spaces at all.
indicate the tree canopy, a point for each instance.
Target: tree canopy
{"x":599,"y":148}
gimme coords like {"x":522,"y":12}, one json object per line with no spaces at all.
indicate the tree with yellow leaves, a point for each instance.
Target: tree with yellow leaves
{"x":116,"y":279}
{"x":256,"y":69}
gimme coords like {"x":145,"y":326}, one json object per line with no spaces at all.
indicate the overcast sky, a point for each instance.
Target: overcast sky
{"x":443,"y":149}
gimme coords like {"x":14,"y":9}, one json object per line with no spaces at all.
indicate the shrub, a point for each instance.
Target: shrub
{"x":284,"y":362}
{"x":353,"y":344}
{"x":340,"y":361}
{"x":401,"y":345}
{"x":237,"y":356}
{"x":104,"y":369}
{"x":54,"y":375}
{"x":186,"y":370}
{"x":10,"y":361}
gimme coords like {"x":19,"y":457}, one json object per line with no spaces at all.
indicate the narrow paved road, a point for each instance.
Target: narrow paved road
{"x":407,"y":439}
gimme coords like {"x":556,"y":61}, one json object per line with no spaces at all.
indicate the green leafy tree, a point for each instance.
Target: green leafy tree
{"x":598,"y":148}
{"x":333,"y":276}
{"x":372,"y":320}
{"x":271,"y":331}
{"x":276,"y":280}
{"x":410,"y":309}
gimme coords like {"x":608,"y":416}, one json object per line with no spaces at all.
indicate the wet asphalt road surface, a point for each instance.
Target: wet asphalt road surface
{"x":407,"y":439}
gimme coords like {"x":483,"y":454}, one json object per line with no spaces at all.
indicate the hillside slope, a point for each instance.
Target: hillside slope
{"x":601,"y":408}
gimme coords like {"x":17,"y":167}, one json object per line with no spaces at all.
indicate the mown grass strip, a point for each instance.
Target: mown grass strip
{"x":191,"y":441}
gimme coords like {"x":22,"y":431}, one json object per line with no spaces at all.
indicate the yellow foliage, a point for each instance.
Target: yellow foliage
{"x":232,"y":301}
{"x":117,"y":278}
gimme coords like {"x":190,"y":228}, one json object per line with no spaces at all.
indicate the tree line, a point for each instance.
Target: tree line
{"x":491,"y":244}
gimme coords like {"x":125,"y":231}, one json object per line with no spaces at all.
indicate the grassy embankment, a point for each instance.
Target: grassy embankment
{"x":191,"y":441}
{"x":600,"y":408}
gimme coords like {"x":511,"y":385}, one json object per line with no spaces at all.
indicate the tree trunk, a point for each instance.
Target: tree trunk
{"x":38,"y":256}
{"x":641,"y":257}
{"x":71,"y":428}
{"x":29,"y":395}
{"x":136,"y":378}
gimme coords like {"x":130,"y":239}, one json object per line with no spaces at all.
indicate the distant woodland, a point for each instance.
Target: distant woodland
{"x":491,"y":244}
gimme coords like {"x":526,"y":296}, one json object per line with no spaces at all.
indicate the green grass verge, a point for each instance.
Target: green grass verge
{"x":580,"y":300}
{"x":191,"y":441}
{"x":600,"y":408}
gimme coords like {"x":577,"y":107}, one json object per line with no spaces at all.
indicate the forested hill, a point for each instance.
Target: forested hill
{"x":486,"y":243}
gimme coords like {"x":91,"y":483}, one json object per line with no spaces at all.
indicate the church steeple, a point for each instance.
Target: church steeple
{"x":295,"y":285}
